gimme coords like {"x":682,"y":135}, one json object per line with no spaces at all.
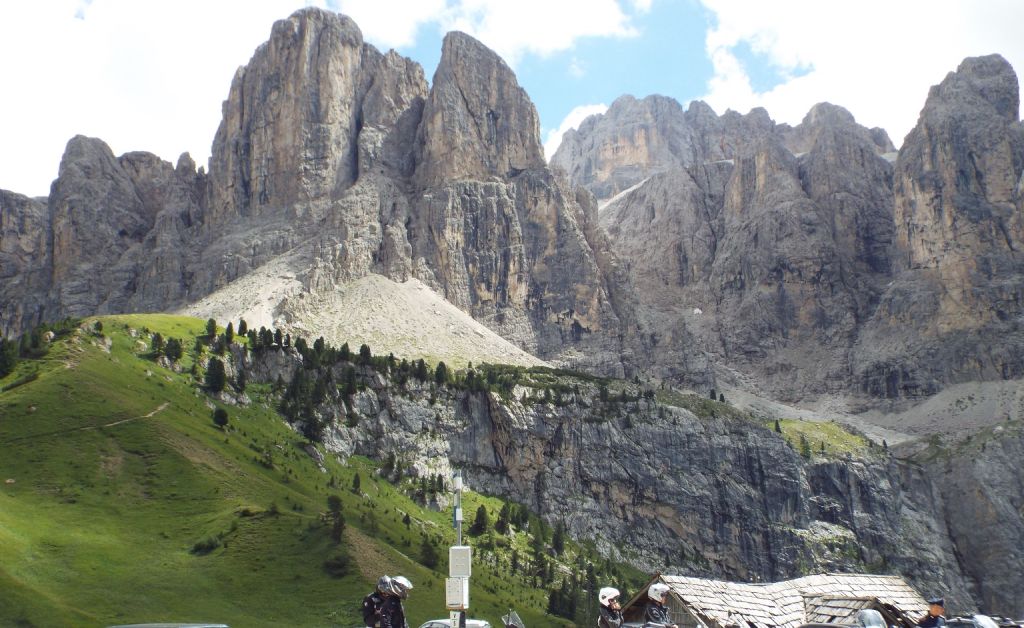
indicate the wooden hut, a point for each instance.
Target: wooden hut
{"x":824,"y":598}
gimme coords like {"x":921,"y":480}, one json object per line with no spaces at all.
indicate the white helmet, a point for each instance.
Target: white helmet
{"x":400,"y":586}
{"x":607,"y":594}
{"x":657,"y":591}
{"x":384,"y":584}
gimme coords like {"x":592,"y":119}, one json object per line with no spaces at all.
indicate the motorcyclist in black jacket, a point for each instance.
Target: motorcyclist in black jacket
{"x":656,"y":615}
{"x":610,"y":611}
{"x":392,"y":613}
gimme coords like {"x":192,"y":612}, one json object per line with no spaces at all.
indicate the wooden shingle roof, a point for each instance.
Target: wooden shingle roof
{"x":783,"y":604}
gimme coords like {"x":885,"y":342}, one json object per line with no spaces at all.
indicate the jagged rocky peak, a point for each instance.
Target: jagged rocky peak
{"x":292,"y":120}
{"x":630,"y":141}
{"x":635,"y":139}
{"x":478,"y":123}
{"x":959,"y":230}
{"x":956,"y":184}
{"x":989,"y":79}
{"x":825,"y":116}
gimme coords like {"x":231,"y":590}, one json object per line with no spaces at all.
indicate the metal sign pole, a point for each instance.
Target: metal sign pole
{"x":459,"y":566}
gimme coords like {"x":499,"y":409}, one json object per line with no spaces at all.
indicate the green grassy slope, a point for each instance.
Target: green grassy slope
{"x":112,"y":474}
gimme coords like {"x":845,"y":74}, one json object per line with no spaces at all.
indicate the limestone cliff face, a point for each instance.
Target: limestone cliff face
{"x":113,"y":236}
{"x":957,"y":296}
{"x":825,"y":267}
{"x":478,"y":123}
{"x":765,"y":259}
{"x":635,"y":139}
{"x":669,"y":491}
{"x":292,"y":120}
{"x":24,"y":262}
{"x":982,"y":488}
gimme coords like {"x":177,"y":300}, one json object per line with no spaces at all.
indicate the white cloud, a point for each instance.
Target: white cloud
{"x":877,"y":58}
{"x":571,"y":121}
{"x":391,"y":24}
{"x":540,"y":27}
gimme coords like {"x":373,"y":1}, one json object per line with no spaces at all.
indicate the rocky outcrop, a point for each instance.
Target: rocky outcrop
{"x":981,"y":483}
{"x":765,"y":259}
{"x":113,"y":236}
{"x":670,"y":491}
{"x":24,"y":262}
{"x":290,"y":134}
{"x":953,"y":311}
{"x":817,"y":266}
{"x":478,"y":123}
{"x":635,"y":139}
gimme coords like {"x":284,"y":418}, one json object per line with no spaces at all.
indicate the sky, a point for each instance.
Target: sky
{"x":149,"y":75}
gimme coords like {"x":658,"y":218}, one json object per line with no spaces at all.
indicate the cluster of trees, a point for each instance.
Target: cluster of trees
{"x":170,"y":348}
{"x":32,"y":345}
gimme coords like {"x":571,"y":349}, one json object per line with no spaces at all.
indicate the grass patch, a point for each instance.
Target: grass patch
{"x":823,"y":437}
{"x":702,"y":407}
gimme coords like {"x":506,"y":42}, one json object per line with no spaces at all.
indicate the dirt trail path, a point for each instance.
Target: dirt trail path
{"x":159,"y":408}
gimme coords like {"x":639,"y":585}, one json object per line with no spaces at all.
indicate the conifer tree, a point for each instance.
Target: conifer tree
{"x":9,"y":356}
{"x":481,"y":523}
{"x":243,"y":328}
{"x":216,"y":378}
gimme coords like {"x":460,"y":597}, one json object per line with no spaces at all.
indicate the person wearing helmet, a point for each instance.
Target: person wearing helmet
{"x":610,"y":611}
{"x":392,"y":613}
{"x":656,"y":615}
{"x":372,"y":603}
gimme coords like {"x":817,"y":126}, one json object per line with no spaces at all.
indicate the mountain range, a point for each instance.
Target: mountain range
{"x":812,"y":265}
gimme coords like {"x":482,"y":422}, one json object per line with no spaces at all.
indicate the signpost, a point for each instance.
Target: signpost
{"x":460,"y":566}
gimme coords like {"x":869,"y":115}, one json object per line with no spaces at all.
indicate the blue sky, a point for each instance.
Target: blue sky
{"x":147,"y":75}
{"x":665,"y":56}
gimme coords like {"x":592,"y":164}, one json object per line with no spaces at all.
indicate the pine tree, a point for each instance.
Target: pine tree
{"x":9,"y":356}
{"x":211,"y":329}
{"x":502,"y":524}
{"x":355,"y":484}
{"x":713,"y":395}
{"x":558,"y":541}
{"x":158,"y":344}
{"x":338,"y":519}
{"x":441,"y":374}
{"x":778,"y":427}
{"x":216,"y":378}
{"x":481,"y":523}
{"x":173,"y":350}
{"x":364,"y":354}
{"x":805,"y":447}
{"x":428,"y":553}
{"x":220,"y":417}
{"x":407,"y":521}
{"x":345,"y":353}
{"x":229,"y":333}
{"x":243,"y":328}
